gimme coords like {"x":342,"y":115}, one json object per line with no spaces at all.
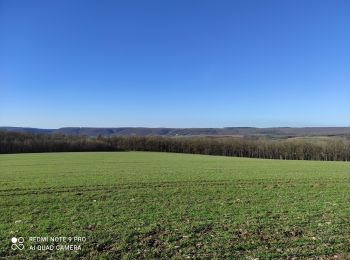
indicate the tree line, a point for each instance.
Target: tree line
{"x":286,"y":149}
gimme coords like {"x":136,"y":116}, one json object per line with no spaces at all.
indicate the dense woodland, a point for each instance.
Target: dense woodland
{"x":337,"y":149}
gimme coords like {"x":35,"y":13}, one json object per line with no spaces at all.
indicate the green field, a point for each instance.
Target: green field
{"x":157,"y":205}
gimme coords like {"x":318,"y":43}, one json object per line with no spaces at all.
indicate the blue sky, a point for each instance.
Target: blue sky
{"x":174,"y":63}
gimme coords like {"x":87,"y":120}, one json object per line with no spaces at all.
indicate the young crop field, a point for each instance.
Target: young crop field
{"x":142,"y":205}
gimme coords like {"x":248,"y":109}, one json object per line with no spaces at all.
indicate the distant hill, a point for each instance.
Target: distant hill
{"x":227,"y":131}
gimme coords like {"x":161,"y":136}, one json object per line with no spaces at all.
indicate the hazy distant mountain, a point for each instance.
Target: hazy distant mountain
{"x":227,"y":131}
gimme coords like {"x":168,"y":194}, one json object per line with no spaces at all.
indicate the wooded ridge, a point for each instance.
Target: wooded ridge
{"x":331,"y":149}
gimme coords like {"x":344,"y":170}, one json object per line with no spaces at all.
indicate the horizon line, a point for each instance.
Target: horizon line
{"x":148,"y":127}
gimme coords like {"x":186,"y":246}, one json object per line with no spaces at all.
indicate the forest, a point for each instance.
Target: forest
{"x":330,"y":149}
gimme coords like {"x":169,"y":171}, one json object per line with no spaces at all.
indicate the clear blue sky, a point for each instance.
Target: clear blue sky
{"x":175,"y":63}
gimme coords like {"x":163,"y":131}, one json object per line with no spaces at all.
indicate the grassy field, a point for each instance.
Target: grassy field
{"x":157,"y":205}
